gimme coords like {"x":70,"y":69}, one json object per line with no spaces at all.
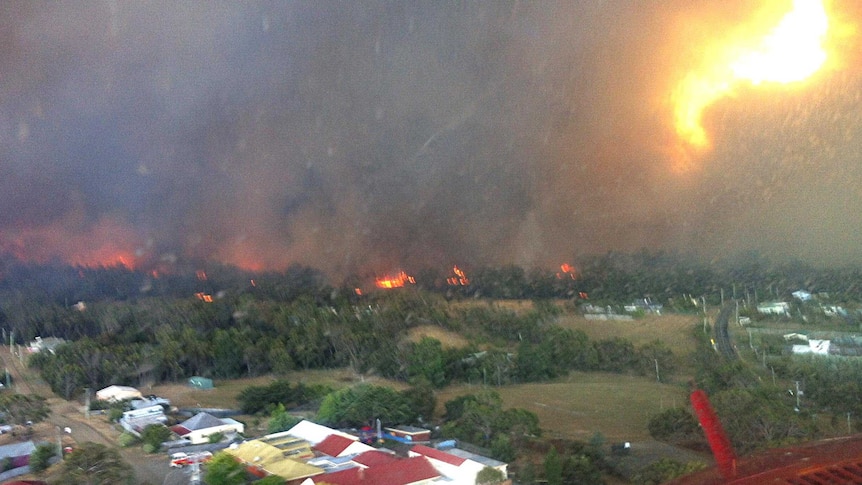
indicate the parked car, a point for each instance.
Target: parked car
{"x":179,"y":460}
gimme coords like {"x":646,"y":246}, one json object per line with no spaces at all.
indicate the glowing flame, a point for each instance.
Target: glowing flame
{"x":567,"y":271}
{"x":460,"y":278}
{"x":792,"y":51}
{"x":398,"y":281}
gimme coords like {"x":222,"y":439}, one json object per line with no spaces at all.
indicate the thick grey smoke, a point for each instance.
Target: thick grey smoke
{"x":378,"y":135}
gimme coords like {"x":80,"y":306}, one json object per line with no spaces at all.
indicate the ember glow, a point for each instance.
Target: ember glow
{"x":460,"y":278}
{"x":567,"y":271}
{"x":399,"y":281}
{"x":789,"y":51}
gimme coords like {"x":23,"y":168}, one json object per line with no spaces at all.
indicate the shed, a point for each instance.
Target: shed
{"x":199,"y":382}
{"x":118,"y":393}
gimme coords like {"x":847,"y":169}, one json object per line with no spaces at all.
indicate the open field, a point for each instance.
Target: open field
{"x":577,"y":407}
{"x":674,"y":330}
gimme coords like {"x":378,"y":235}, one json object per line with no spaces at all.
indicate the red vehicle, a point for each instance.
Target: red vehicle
{"x":179,"y":460}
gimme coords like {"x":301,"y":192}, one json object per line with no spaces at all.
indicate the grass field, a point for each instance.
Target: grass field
{"x":582,"y":404}
{"x":674,"y":330}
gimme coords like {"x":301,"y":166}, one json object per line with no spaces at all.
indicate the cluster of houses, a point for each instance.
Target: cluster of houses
{"x":310,"y":454}
{"x":150,"y":410}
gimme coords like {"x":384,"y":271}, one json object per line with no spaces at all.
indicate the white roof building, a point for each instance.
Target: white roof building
{"x":118,"y":393}
{"x":312,"y":432}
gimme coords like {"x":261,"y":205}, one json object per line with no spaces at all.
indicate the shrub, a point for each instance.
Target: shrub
{"x":127,"y":439}
{"x":40,"y":459}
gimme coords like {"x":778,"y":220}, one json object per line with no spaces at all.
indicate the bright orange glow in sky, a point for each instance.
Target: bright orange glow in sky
{"x":790,"y":50}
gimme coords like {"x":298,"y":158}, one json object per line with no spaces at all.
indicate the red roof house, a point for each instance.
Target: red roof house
{"x":404,"y":471}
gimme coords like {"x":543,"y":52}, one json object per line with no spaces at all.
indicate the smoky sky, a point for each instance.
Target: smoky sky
{"x":374,"y":136}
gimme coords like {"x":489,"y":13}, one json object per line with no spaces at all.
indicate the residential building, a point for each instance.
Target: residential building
{"x":136,"y":420}
{"x":201,"y":426}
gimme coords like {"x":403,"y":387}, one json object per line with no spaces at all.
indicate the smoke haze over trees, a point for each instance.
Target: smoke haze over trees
{"x":369,"y":136}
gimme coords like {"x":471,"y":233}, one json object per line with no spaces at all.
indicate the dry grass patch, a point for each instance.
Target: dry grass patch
{"x":448,"y":339}
{"x":617,"y":406}
{"x":673,"y":330}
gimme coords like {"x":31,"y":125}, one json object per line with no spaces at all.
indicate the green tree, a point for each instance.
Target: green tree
{"x":426,"y":359}
{"x":362,"y":404}
{"x":95,"y":464}
{"x":154,"y":435}
{"x":489,"y":476}
{"x":675,"y":425}
{"x":280,"y":420}
{"x":553,"y":467}
{"x":21,"y":408}
{"x":223,"y":469}
{"x":40,"y":459}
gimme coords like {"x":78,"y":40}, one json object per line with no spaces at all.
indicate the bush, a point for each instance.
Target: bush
{"x":40,"y":459}
{"x":114,"y":414}
{"x":127,"y":439}
{"x":154,"y":435}
{"x":216,"y":438}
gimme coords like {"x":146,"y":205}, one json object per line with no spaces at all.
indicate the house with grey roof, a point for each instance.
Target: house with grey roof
{"x":201,"y":426}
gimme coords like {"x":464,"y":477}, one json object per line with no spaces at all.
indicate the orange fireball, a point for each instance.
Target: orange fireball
{"x":790,"y":49}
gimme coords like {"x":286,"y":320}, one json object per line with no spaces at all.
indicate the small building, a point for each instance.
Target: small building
{"x":201,"y":426}
{"x":408,"y":434}
{"x":136,"y":420}
{"x":18,"y":456}
{"x":817,"y":347}
{"x":48,"y":344}
{"x":199,"y":382}
{"x":118,"y":393}
{"x":802,"y":295}
{"x":774,"y":308}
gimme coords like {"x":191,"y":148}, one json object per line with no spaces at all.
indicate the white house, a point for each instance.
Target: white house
{"x":774,"y":308}
{"x":802,"y":295}
{"x":818,"y":347}
{"x":118,"y":393}
{"x":201,"y":426}
{"x":136,"y":420}
{"x":460,"y":467}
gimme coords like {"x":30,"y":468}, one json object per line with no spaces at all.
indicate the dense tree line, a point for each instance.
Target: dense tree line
{"x":150,"y":341}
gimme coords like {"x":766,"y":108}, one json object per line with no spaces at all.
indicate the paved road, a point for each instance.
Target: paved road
{"x":722,"y":334}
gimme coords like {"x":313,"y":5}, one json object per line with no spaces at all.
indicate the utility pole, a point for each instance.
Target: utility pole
{"x":657,"y":377}
{"x":87,"y":402}
{"x":797,"y":396}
